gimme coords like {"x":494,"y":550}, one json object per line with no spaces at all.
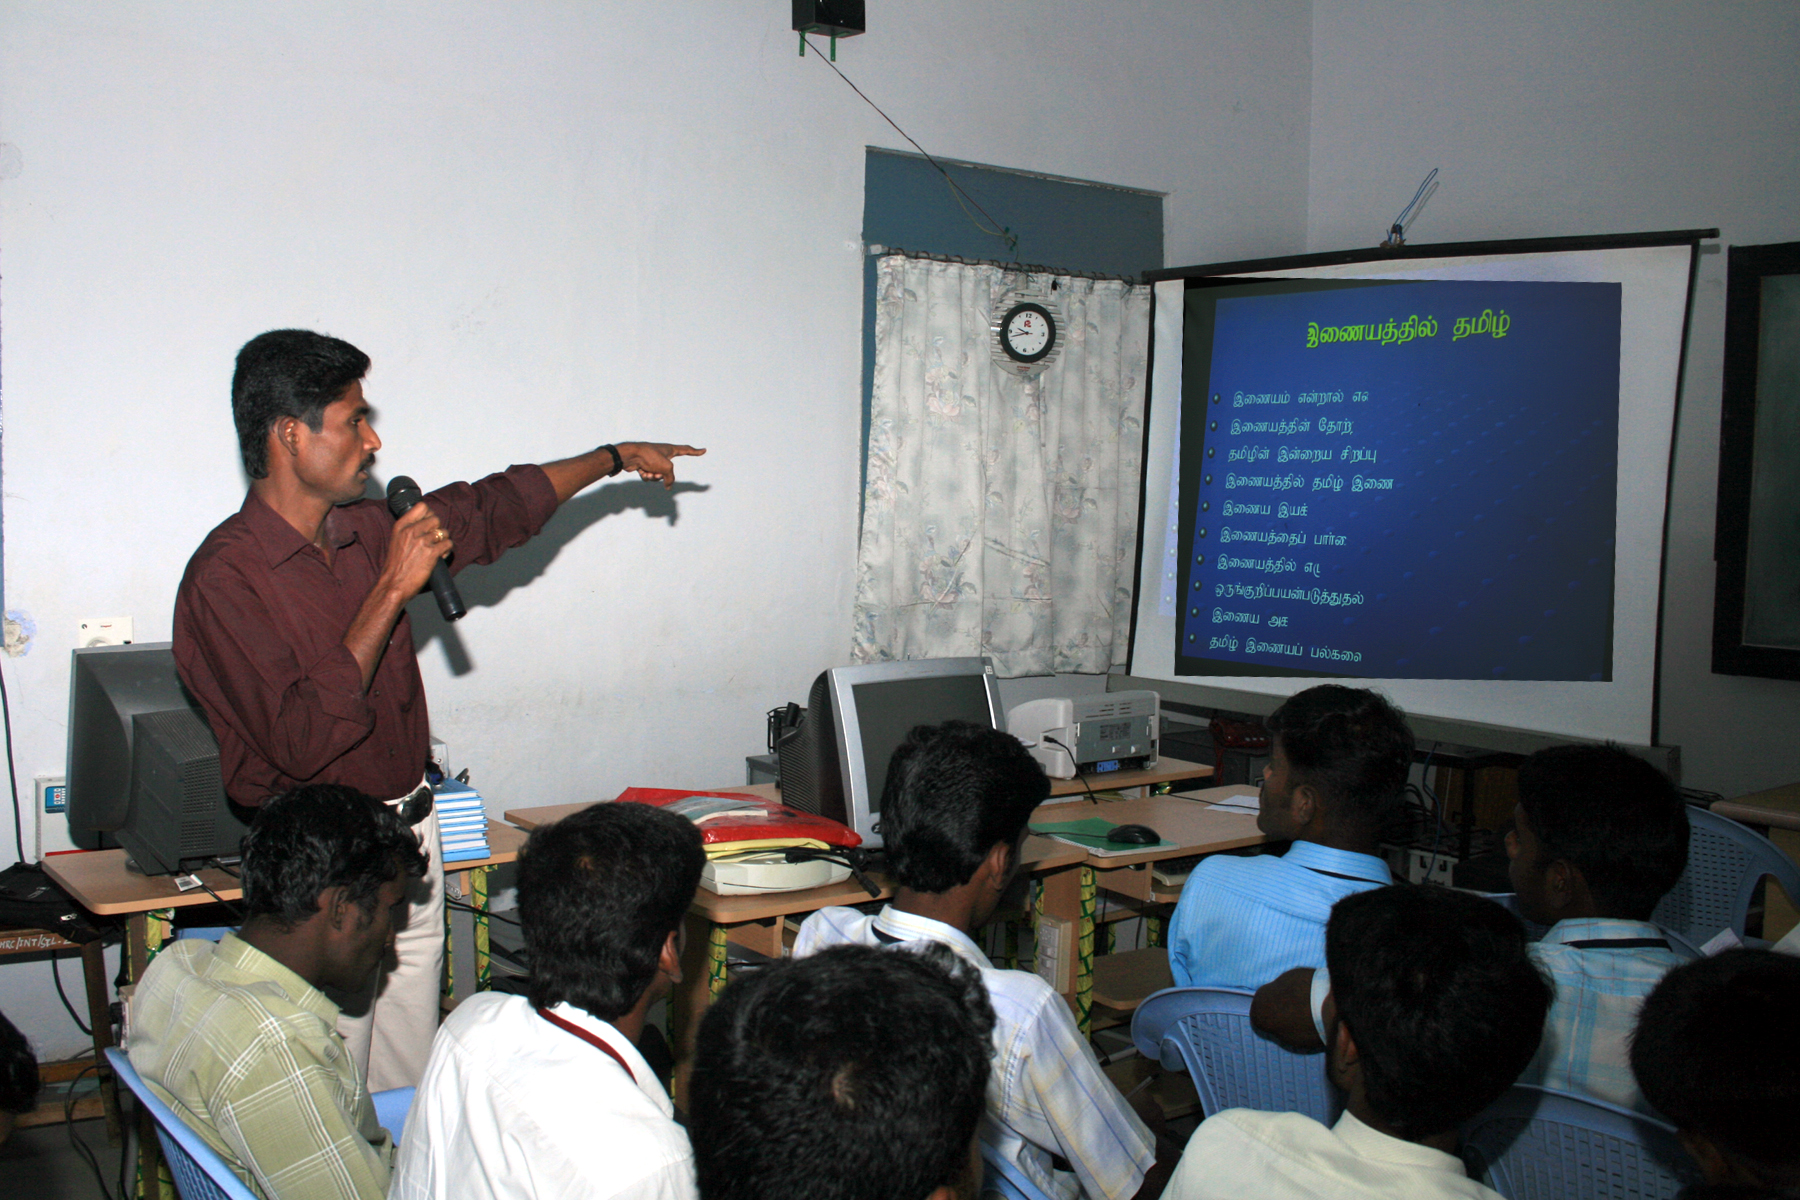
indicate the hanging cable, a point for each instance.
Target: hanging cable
{"x":56,"y":974}
{"x":1002,"y":232}
{"x":1397,"y":231}
{"x":12,"y":775}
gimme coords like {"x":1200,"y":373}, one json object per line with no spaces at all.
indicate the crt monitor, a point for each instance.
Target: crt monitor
{"x":835,"y":763}
{"x":143,"y":766}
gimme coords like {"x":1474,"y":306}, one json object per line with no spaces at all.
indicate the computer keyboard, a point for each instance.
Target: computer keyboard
{"x":1173,"y":872}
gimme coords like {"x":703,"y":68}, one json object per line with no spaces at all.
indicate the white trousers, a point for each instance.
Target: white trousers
{"x":389,"y":1027}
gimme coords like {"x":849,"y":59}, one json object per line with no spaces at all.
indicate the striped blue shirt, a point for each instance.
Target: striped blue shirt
{"x":1047,"y":1095}
{"x":1243,"y":921}
{"x":1600,"y":985}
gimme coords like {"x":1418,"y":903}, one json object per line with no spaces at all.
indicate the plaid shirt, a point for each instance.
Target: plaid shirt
{"x":1601,"y":982}
{"x":248,"y":1054}
{"x":1046,"y":1094}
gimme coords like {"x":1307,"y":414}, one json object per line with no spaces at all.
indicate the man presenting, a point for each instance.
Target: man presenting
{"x":291,"y":627}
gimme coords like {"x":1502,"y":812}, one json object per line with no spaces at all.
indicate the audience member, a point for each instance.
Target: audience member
{"x":1434,"y":1009}
{"x":1598,"y":836}
{"x":954,"y":815}
{"x":239,"y":1039}
{"x":1336,"y":774}
{"x":1718,"y":1053}
{"x":549,"y":1096}
{"x":854,"y":1074}
{"x":19,"y":1080}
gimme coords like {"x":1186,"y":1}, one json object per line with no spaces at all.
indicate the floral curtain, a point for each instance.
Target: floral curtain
{"x":1000,"y":514}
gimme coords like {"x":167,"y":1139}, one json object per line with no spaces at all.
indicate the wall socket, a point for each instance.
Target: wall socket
{"x":52,"y":793}
{"x":104,"y":631}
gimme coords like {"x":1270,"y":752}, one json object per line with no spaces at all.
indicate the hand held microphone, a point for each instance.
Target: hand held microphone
{"x":402,"y":494}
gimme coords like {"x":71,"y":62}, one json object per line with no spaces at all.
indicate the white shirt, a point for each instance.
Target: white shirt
{"x":1242,"y":1153}
{"x":1046,"y":1092}
{"x":514,"y":1107}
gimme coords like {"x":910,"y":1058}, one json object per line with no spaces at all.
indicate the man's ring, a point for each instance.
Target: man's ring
{"x":437,"y":536}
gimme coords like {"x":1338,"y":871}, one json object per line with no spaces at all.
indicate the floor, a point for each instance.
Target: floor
{"x":40,"y":1164}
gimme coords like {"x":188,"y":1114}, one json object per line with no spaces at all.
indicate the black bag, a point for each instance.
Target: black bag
{"x":30,"y":899}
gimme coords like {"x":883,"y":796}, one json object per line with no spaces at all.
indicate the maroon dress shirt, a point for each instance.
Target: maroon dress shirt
{"x":259,"y":638}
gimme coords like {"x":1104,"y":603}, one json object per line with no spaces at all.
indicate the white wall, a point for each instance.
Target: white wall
{"x":551,"y":225}
{"x":1551,"y":119}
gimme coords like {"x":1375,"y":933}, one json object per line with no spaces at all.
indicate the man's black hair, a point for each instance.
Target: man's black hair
{"x":287,"y":373}
{"x":1444,"y":1005}
{"x":953,"y":791}
{"x":852,"y":1074}
{"x":1616,"y":817}
{"x":320,"y":836}
{"x":1717,"y":1052}
{"x":1351,"y":746}
{"x":599,"y":893}
{"x":19,"y":1082}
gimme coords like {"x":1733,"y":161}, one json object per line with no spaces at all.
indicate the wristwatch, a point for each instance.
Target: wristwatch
{"x":618,"y":463}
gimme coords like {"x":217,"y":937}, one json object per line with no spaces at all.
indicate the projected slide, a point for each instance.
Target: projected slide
{"x":1405,"y":480}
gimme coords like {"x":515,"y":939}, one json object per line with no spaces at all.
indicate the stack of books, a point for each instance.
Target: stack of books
{"x":462,"y":822}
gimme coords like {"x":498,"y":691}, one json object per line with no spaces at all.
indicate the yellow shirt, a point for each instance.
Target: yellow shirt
{"x":248,"y":1054}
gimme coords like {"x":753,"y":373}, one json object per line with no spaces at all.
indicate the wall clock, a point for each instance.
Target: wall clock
{"x":1027,"y":328}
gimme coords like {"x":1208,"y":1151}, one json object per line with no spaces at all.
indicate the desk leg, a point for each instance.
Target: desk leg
{"x":144,"y":935}
{"x":702,"y":977}
{"x":1069,"y":893}
{"x":93,"y":971}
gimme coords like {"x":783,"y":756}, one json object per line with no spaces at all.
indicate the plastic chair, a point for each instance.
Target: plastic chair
{"x":200,"y":1174}
{"x":391,"y":1108}
{"x":1725,"y":862}
{"x":1002,"y":1177}
{"x":1537,"y":1144}
{"x":1207,"y":1033}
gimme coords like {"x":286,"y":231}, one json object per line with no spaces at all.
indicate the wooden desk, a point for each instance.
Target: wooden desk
{"x":756,"y":922}
{"x":100,"y":882}
{"x":1778,"y":811}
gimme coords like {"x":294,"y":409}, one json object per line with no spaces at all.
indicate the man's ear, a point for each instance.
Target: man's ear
{"x":1348,"y":1054}
{"x":669,"y":962}
{"x":1304,"y":805}
{"x":1561,"y":879}
{"x":340,"y":912}
{"x":996,"y":866}
{"x":284,"y":435}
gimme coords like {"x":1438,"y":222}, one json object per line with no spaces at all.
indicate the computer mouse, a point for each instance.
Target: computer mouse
{"x":1134,"y":835}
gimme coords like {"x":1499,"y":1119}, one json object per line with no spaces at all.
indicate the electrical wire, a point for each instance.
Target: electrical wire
{"x":1079,"y":777}
{"x":80,"y":1147}
{"x":56,"y":974}
{"x":1397,"y":231}
{"x":12,"y":774}
{"x":470,"y":908}
{"x":1002,"y":232}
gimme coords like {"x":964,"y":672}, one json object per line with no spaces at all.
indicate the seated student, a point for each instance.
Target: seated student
{"x":850,"y":1075}
{"x":1336,"y":772}
{"x":548,"y":1096}
{"x":1434,"y":1009}
{"x":1598,"y":836}
{"x":1718,"y":1053}
{"x":239,"y":1039}
{"x":953,"y":815}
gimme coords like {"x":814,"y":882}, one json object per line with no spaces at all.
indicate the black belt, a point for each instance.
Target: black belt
{"x":415,"y":806}
{"x":1620,"y":944}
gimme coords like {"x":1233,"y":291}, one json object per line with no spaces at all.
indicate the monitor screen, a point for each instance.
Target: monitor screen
{"x":886,"y":712}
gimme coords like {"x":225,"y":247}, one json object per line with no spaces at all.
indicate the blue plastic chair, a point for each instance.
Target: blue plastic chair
{"x":1725,"y":862}
{"x":1206,"y":1032}
{"x":1002,"y":1177}
{"x":1537,"y":1144}
{"x":200,"y":1174}
{"x":391,"y":1108}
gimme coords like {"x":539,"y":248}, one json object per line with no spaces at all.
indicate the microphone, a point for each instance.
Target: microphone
{"x":402,"y":494}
